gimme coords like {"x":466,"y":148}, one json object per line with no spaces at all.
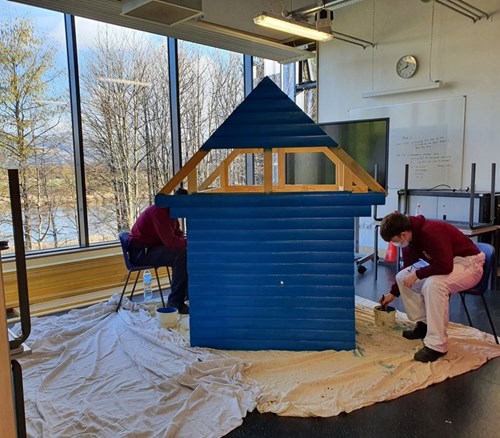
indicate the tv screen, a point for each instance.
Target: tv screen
{"x":366,"y":141}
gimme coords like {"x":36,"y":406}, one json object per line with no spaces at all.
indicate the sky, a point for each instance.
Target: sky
{"x":50,"y":25}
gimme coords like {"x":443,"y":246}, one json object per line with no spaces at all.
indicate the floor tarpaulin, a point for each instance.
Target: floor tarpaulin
{"x":99,"y":373}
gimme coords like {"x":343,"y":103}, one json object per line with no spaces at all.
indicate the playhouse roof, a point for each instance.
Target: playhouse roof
{"x":268,"y":118}
{"x":268,"y":122}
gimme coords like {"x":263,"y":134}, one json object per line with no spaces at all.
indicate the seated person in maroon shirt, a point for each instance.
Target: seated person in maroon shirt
{"x":438,"y":260}
{"x":157,"y":240}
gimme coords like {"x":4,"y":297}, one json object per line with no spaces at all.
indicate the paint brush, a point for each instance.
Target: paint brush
{"x":380,"y":302}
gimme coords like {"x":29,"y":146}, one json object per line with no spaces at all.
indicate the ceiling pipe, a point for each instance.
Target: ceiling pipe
{"x":463,"y":8}
{"x":312,"y":9}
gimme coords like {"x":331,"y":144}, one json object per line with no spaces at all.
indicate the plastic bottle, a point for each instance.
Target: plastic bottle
{"x":146,"y":279}
{"x":418,"y":210}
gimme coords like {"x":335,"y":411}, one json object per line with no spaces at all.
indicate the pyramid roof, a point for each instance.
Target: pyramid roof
{"x":268,"y":118}
{"x":268,"y":122}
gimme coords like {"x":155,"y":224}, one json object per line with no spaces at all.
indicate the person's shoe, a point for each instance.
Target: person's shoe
{"x":427,"y":354}
{"x":182,"y":308}
{"x":418,"y":332}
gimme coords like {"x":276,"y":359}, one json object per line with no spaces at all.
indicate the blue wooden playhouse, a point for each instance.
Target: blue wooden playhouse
{"x":271,"y":266}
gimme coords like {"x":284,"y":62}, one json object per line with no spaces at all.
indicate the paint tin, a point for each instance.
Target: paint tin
{"x":384,"y":317}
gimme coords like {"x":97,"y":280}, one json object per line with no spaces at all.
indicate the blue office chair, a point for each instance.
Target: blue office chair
{"x":482,"y":286}
{"x":123,"y":236}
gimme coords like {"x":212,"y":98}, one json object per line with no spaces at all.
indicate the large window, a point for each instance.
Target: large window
{"x":125,"y":123}
{"x":262,"y":68}
{"x":306,"y":89}
{"x":35,"y":127}
{"x":210,"y":88}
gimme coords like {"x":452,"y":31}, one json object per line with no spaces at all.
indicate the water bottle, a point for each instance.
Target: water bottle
{"x":146,"y":279}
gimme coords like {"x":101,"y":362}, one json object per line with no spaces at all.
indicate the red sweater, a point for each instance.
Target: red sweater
{"x":436,"y":242}
{"x":155,"y":227}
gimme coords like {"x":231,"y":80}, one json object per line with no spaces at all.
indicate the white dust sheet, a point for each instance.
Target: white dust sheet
{"x":97,"y":373}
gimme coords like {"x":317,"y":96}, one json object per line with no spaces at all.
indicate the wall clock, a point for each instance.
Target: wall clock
{"x":406,"y":66}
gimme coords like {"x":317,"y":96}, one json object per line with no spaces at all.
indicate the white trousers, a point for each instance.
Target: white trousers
{"x":428,"y":299}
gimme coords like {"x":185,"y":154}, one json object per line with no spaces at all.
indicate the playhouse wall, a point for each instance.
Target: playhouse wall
{"x":271,"y":271}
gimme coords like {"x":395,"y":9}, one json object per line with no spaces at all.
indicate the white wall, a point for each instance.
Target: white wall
{"x":464,"y":55}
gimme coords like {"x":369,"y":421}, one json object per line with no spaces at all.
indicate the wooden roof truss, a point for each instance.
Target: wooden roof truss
{"x":350,"y":176}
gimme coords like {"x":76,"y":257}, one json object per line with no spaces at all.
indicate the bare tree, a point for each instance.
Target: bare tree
{"x":125,"y":108}
{"x":30,"y":111}
{"x":125,"y":114}
{"x":211,"y":87}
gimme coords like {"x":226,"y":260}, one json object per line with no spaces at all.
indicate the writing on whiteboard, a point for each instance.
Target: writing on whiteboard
{"x":427,"y":151}
{"x":428,"y":136}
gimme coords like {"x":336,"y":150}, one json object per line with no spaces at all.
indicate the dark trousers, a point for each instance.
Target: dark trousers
{"x":162,"y":256}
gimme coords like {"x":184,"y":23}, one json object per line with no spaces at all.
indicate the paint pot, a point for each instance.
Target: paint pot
{"x":167,"y":317}
{"x":384,"y":317}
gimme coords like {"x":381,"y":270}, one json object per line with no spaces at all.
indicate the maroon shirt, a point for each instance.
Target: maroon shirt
{"x":155,"y":227}
{"x":436,"y":242}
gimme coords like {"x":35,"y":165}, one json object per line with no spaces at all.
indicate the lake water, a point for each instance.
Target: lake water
{"x":102,"y":228}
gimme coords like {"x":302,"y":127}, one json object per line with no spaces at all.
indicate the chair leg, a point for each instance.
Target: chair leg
{"x":169,"y":277}
{"x":159,"y":286}
{"x":489,"y":317}
{"x":462,"y":296}
{"x":170,"y":280}
{"x":123,"y":291}
{"x":135,"y":284}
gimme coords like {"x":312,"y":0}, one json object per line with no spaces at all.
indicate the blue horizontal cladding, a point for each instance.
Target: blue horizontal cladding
{"x":295,"y":339}
{"x":262,"y":117}
{"x":285,"y":334}
{"x":274,"y":306}
{"x":287,"y":131}
{"x":260,"y":257}
{"x":292,"y":268}
{"x":272,"y":259}
{"x":247,"y":200}
{"x":269,"y":104}
{"x":262,"y":280}
{"x":280,"y":323}
{"x":284,"y":122}
{"x":223,"y":224}
{"x":226,"y":343}
{"x":270,"y":301}
{"x":339,"y":330}
{"x":269,"y":246}
{"x":326,"y":295}
{"x":302,"y":322}
{"x":270,"y":235}
{"x":271,"y":271}
{"x":267,"y":141}
{"x":270,"y":212}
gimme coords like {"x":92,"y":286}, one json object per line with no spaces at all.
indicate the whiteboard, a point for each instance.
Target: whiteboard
{"x":428,"y":136}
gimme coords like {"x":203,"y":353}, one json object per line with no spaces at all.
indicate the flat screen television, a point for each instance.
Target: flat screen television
{"x":366,"y":141}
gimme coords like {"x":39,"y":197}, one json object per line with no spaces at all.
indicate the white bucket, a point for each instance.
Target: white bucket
{"x":167,"y":317}
{"x":384,"y":317}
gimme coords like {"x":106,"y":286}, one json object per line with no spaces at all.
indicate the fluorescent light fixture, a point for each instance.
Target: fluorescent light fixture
{"x":293,"y":27}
